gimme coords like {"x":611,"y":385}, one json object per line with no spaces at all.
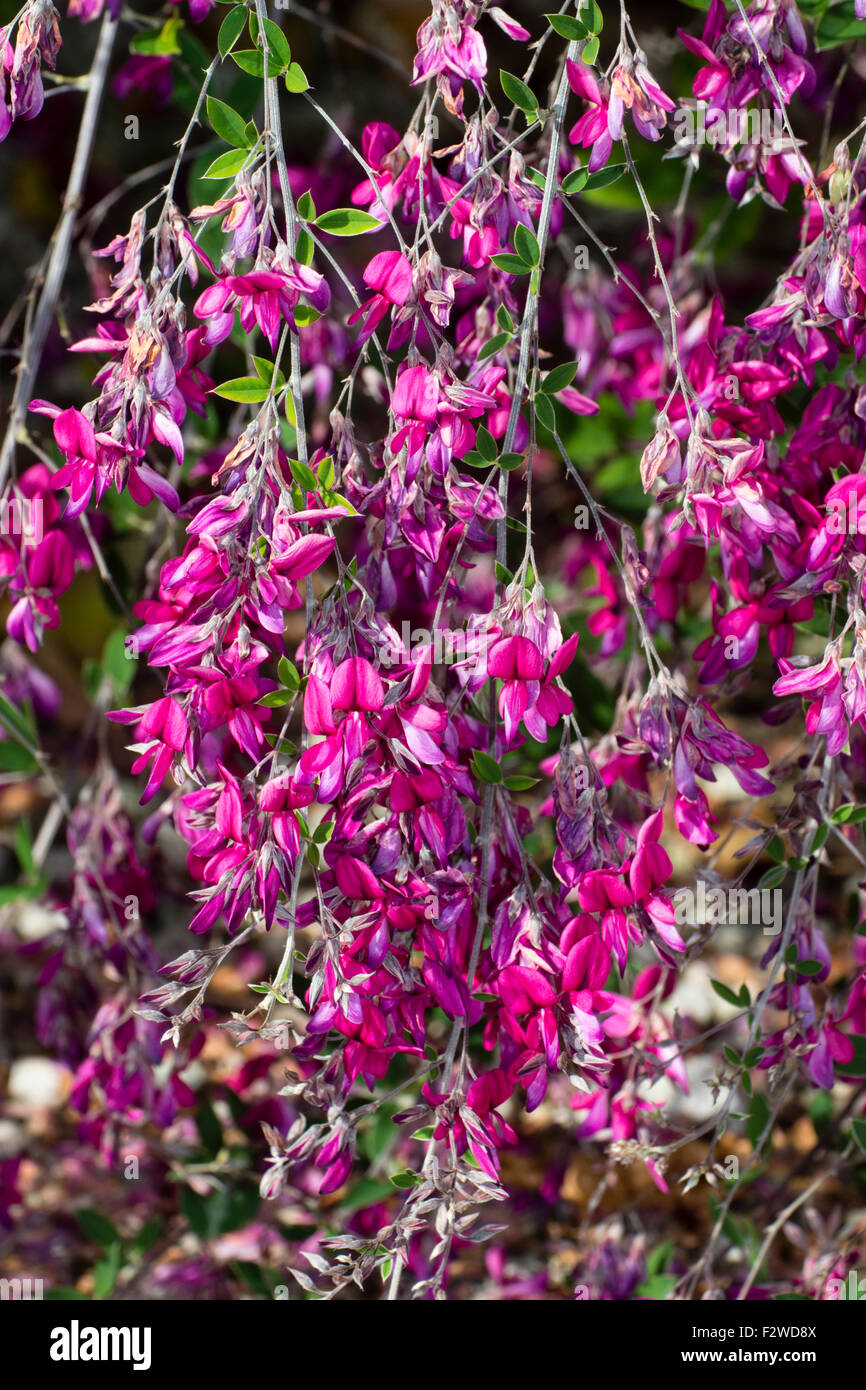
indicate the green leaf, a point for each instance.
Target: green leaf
{"x":559,"y":378}
{"x":486,"y":769}
{"x":105,"y":1272}
{"x":252,"y":60}
{"x":508,"y":462}
{"x":228,"y":124}
{"x":513,"y":265}
{"x":306,"y":207}
{"x":248,"y":389}
{"x":724,"y":993}
{"x":275,"y":699}
{"x":567,"y":26}
{"x":231,"y":29}
{"x":518,"y":92}
{"x":493,"y":345}
{"x":20,"y":892}
{"x":265,"y":370}
{"x":304,"y":315}
{"x":296,"y":79}
{"x":544,"y":411}
{"x":659,"y":1258}
{"x":504,"y":319}
{"x":575,"y":181}
{"x":486,"y":444}
{"x":839,"y":25}
{"x":773,"y":877}
{"x":303,"y":475}
{"x":277,"y":43}
{"x":520,"y":784}
{"x":14,"y":758}
{"x":226,"y":165}
{"x":589,"y":13}
{"x":657,"y":1287}
{"x":808,"y":967}
{"x":288,"y":673}
{"x":159,"y":42}
{"x":602,"y":177}
{"x":17,"y":722}
{"x":347,"y":222}
{"x":759,"y":1114}
{"x":590,"y":52}
{"x":98,"y":1229}
{"x":526,"y":245}
{"x":776,"y":850}
{"x":304,"y":247}
{"x":405,"y":1179}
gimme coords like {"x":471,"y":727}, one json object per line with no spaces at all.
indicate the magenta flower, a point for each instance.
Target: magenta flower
{"x":823,"y":685}
{"x":390,"y":275}
{"x":528,"y":694}
{"x":356,"y":689}
{"x":95,"y":461}
{"x":279,"y":799}
{"x":621,"y":902}
{"x":415,"y":402}
{"x":596,"y":127}
{"x":519,"y":664}
{"x":161,"y":732}
{"x":261,"y":296}
{"x":631,"y":88}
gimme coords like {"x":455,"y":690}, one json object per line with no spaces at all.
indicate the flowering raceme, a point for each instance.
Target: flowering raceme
{"x":625,"y":490}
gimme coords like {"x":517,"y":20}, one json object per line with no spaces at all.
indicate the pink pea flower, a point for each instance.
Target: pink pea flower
{"x":823,"y":684}
{"x":162,"y":728}
{"x":96,"y":460}
{"x":519,"y":664}
{"x":261,"y":296}
{"x":416,"y":402}
{"x":390,"y":275}
{"x":356,"y":689}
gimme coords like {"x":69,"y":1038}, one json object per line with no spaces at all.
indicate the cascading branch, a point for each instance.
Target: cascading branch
{"x":371,"y":657}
